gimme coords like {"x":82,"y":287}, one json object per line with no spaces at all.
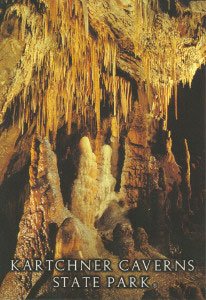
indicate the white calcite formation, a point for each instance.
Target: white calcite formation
{"x":85,"y":186}
{"x":106,"y":182}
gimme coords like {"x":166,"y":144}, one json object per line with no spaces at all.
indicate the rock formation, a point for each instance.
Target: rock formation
{"x":69,"y":241}
{"x":115,"y":146}
{"x":85,"y":186}
{"x":186,"y":185}
{"x":92,"y":89}
{"x":44,"y":206}
{"x":134,"y":173}
{"x":106,"y":182}
{"x":123,"y":241}
{"x":145,"y":42}
{"x":141,"y":239}
{"x":7,"y":142}
{"x":152,"y":294}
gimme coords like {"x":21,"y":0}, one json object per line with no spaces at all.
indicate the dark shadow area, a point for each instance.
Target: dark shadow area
{"x":190,"y":125}
{"x":67,"y":160}
{"x":191,"y":117}
{"x":13,"y":193}
{"x":120,"y":164}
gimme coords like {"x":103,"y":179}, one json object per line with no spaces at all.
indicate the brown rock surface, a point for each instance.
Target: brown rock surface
{"x":137,"y":163}
{"x":44,"y":206}
{"x":123,"y":241}
{"x":7,"y":143}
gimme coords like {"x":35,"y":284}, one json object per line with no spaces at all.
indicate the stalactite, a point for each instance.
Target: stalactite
{"x":114,"y":79}
{"x":83,"y":71}
{"x":165,"y":54}
{"x":169,"y":4}
{"x":86,"y":18}
{"x":147,"y":72}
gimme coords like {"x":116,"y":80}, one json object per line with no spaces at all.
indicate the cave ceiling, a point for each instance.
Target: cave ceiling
{"x":61,"y":56}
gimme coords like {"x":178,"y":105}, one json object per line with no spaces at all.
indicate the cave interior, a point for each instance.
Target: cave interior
{"x":102,"y":139}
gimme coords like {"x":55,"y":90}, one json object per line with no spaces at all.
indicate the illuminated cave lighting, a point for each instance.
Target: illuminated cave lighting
{"x":77,"y":75}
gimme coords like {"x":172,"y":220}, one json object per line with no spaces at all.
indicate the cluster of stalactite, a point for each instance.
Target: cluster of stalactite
{"x":72,"y":78}
{"x":166,"y":52}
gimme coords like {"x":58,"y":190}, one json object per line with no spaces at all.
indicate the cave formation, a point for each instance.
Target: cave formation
{"x":102,"y":152}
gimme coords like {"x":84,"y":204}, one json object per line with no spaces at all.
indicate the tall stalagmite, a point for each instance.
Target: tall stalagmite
{"x":134,"y":173}
{"x":85,"y":186}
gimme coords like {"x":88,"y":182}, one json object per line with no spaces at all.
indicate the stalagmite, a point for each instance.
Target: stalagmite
{"x":168,"y":163}
{"x":115,"y":146}
{"x":123,"y":241}
{"x":68,"y":242}
{"x":85,"y":186}
{"x":45,"y":206}
{"x":106,"y":182}
{"x":141,"y":239}
{"x":186,"y":185}
{"x":134,"y":179}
